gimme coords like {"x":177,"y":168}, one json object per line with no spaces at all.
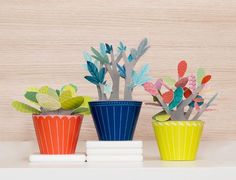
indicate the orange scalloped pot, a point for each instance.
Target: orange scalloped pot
{"x":57,"y":134}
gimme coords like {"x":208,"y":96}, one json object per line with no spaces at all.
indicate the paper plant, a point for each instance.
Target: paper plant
{"x":47,"y":101}
{"x":105,"y":60}
{"x":179,"y":98}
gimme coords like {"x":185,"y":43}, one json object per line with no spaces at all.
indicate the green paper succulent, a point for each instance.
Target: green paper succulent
{"x":46,"y":100}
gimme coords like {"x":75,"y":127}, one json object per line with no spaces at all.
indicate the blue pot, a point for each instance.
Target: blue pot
{"x":115,"y":120}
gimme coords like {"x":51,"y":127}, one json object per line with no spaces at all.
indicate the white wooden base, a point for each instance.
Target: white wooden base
{"x":57,"y":158}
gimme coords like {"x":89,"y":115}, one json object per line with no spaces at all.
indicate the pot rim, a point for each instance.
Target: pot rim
{"x":174,"y":121}
{"x":53,"y":115}
{"x":115,"y":101}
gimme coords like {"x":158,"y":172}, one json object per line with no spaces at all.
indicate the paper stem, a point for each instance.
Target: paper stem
{"x":204,"y":107}
{"x":188,"y":113}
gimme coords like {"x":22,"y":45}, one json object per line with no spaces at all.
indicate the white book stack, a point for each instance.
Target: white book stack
{"x":108,"y":151}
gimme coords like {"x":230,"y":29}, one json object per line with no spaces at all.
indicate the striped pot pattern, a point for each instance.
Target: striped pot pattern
{"x":115,"y":120}
{"x":57,"y":134}
{"x":178,"y":140}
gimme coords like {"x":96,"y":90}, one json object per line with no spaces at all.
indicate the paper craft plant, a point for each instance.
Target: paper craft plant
{"x":179,"y":98}
{"x":47,"y":101}
{"x":105,"y":60}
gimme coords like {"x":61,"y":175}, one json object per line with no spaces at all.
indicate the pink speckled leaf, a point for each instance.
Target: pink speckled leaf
{"x":150,"y":87}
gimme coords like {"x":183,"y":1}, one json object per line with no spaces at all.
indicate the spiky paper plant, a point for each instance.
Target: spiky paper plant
{"x":47,"y":101}
{"x":105,"y":60}
{"x":179,"y":98}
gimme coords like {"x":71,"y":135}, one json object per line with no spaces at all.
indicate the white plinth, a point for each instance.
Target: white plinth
{"x":57,"y":158}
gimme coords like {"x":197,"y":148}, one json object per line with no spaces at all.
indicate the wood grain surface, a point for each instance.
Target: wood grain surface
{"x":42,"y":41}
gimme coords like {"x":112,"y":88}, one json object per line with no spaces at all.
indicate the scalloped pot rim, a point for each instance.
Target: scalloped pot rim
{"x":60,"y":116}
{"x":154,"y":121}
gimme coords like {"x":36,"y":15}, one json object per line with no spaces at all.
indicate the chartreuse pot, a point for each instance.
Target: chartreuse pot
{"x":178,"y":140}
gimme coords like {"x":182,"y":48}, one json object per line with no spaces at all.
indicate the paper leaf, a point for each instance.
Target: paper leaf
{"x":161,"y":116}
{"x":65,"y":95}
{"x":87,"y":57}
{"x":109,"y":48}
{"x":102,"y":73}
{"x":86,"y":100}
{"x":158,"y":84}
{"x":31,"y":96}
{"x":103,"y":49}
{"x":21,"y":107}
{"x":149,"y":87}
{"x":100,"y":57}
{"x":121,"y":70}
{"x":187,"y":92}
{"x":81,"y":110}
{"x":168,"y":96}
{"x":72,"y":88}
{"x":141,"y":77}
{"x":169,"y":81}
{"x":178,"y":96}
{"x":49,"y":91}
{"x":206,"y":79}
{"x":58,"y":92}
{"x":182,"y":68}
{"x":192,"y":82}
{"x":182,"y":82}
{"x":200,"y":74}
{"x":48,"y":102}
{"x":92,"y":79}
{"x":93,"y":70}
{"x":32,"y":89}
{"x":122,"y":47}
{"x":72,"y":103}
{"x":107,"y":89}
{"x":192,"y":104}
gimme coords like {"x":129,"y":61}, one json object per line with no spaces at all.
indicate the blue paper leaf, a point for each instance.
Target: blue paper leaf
{"x":102,"y":73}
{"x":109,"y":48}
{"x":141,"y":77}
{"x":103,"y":49}
{"x":130,"y":58}
{"x":87,"y":57}
{"x":122,"y":47}
{"x":93,"y":70}
{"x":107,"y":89}
{"x":92,"y":79}
{"x":178,"y":96}
{"x":121,"y":70}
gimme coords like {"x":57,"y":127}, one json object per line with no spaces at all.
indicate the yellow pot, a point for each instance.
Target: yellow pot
{"x":178,"y":140}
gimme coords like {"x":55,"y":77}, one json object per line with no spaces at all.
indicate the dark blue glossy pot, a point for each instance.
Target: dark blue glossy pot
{"x":115,"y":120}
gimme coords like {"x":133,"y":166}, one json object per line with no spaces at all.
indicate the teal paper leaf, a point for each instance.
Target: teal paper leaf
{"x":109,"y":48}
{"x":192,"y":104}
{"x":93,"y":70}
{"x":102,"y":73}
{"x":121,"y":70}
{"x":103,"y":49}
{"x":141,"y":77}
{"x":92,"y":79}
{"x":102,"y":58}
{"x":122,"y":47}
{"x":178,"y":96}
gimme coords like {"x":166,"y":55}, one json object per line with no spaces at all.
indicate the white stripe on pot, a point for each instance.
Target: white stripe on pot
{"x":173,"y":138}
{"x":132,"y":125}
{"x":101,"y":126}
{"x":168,"y":145}
{"x":125,"y":132}
{"x":113,"y":110}
{"x":190,"y":145}
{"x":108,"y":120}
{"x":120,"y":121}
{"x":104,"y":128}
{"x":179,"y":141}
{"x":45,"y":139}
{"x":185,"y":139}
{"x":68,"y":137}
{"x":73,"y":134}
{"x":63,"y":135}
{"x":41,"y":147}
{"x":50,"y":134}
{"x":58,"y":146}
